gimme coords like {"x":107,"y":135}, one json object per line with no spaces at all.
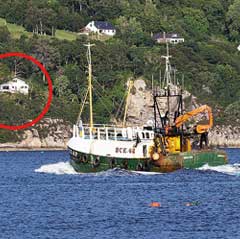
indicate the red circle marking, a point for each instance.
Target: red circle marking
{"x":46,"y":107}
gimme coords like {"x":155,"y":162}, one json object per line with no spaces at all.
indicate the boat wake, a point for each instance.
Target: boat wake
{"x":66,"y":168}
{"x":230,"y":169}
{"x":122,"y":172}
{"x":57,"y":168}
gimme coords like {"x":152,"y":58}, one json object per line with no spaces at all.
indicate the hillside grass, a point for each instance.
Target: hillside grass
{"x":66,"y":35}
{"x":17,"y":31}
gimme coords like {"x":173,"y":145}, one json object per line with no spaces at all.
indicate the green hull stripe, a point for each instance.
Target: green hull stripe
{"x":189,"y":160}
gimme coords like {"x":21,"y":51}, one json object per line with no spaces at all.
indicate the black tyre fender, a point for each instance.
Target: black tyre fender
{"x":139,"y":167}
{"x":95,"y":161}
{"x":84,"y":159}
{"x":112,"y":163}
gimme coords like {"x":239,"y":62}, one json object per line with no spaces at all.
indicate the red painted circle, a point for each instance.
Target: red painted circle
{"x":46,"y":107}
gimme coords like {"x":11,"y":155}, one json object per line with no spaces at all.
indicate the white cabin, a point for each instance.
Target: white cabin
{"x":15,"y":86}
{"x":100,"y":27}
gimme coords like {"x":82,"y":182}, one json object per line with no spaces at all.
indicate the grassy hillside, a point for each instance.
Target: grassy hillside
{"x":17,"y":31}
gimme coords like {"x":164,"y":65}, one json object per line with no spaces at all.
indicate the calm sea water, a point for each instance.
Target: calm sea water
{"x":42,"y":197}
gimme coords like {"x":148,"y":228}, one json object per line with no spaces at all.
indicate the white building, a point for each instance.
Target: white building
{"x":100,"y":27}
{"x":15,"y":86}
{"x":172,"y":38}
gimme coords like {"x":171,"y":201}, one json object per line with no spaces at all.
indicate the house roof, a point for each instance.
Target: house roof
{"x":104,"y":25}
{"x":166,"y":35}
{"x":16,"y":80}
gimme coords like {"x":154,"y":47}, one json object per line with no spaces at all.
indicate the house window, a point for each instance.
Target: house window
{"x":5,"y":87}
{"x":147,"y":135}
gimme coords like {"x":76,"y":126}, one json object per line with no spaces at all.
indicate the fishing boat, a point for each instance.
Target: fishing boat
{"x":166,"y":146}
{"x":98,"y":147}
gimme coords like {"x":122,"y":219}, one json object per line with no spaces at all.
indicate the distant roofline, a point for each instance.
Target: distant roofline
{"x":167,"y":35}
{"x":103,"y":25}
{"x":11,"y":81}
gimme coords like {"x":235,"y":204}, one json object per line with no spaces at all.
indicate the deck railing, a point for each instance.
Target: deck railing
{"x":111,"y":132}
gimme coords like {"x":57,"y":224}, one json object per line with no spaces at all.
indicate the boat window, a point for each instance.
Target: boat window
{"x":94,"y":133}
{"x":102,"y":133}
{"x":86,"y":133}
{"x":111,"y":134}
{"x":119,"y":136}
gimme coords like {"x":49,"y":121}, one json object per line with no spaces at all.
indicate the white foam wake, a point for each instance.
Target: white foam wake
{"x":57,"y":168}
{"x":66,"y":168}
{"x":123,"y":172}
{"x":231,"y":169}
{"x":146,"y":173}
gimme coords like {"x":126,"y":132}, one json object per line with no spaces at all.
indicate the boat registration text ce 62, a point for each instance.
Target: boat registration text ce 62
{"x":125,"y":150}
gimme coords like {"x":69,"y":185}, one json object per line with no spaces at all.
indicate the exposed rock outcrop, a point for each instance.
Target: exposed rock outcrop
{"x":225,"y":136}
{"x":141,"y":111}
{"x":48,"y":133}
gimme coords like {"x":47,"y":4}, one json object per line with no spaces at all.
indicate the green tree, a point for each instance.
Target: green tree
{"x":195,"y":23}
{"x":4,"y":35}
{"x":233,"y":20}
{"x":61,"y":85}
{"x":46,"y":54}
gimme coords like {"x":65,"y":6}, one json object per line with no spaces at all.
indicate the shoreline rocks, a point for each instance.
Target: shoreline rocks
{"x":47,"y":134}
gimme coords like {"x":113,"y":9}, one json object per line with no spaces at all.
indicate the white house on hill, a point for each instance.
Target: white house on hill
{"x":15,"y":86}
{"x":100,"y":27}
{"x":172,"y":38}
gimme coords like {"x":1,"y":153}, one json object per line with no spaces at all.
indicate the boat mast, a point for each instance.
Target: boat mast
{"x":89,"y":59}
{"x":167,"y":76}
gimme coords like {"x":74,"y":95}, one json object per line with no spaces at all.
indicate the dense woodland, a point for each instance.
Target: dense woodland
{"x":209,"y":59}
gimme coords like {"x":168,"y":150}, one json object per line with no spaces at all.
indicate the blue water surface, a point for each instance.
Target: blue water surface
{"x":115,"y":204}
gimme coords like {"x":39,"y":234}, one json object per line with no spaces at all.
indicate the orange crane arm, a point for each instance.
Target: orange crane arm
{"x":200,"y":128}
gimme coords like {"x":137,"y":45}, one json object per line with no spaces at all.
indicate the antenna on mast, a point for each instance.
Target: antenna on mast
{"x":167,"y":76}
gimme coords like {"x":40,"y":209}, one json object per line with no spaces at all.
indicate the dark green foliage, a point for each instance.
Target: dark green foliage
{"x":208,"y":59}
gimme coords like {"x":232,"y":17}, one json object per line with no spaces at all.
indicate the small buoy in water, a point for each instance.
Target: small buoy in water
{"x":155,"y":204}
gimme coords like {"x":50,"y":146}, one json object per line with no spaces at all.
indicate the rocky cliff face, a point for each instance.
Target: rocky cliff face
{"x":225,"y":136}
{"x":141,"y":112}
{"x":48,"y":133}
{"x":140,"y":109}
